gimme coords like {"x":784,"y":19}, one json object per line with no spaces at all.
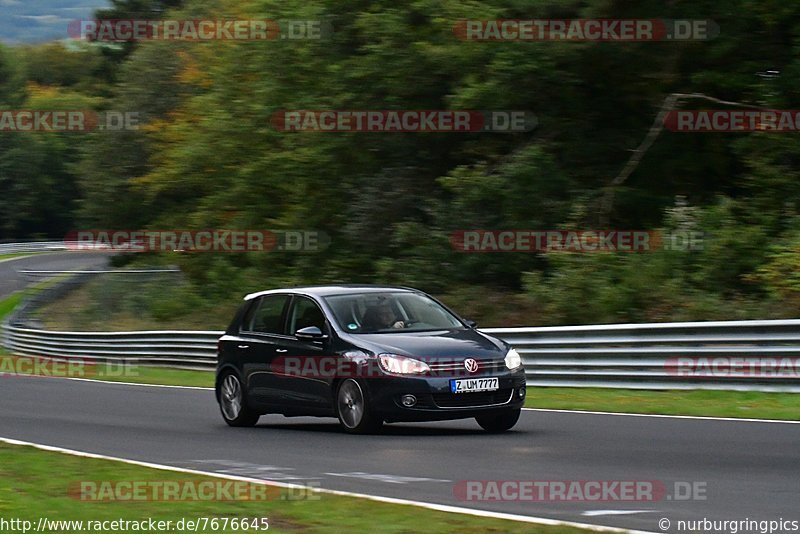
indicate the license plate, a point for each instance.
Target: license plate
{"x":474,"y":385}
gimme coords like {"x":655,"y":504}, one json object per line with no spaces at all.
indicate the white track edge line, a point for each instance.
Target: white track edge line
{"x":662,"y":416}
{"x":377,"y":498}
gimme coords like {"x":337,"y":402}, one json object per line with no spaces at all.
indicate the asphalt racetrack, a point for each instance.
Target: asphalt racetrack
{"x":746,"y":469}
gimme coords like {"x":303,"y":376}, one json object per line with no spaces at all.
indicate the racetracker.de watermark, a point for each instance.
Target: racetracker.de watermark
{"x":210,"y":240}
{"x":483,"y":241}
{"x":130,"y":30}
{"x":399,"y":121}
{"x":733,"y":367}
{"x":104,"y":491}
{"x":359,"y":366}
{"x":602,"y":30}
{"x":61,"y":368}
{"x":739,"y":120}
{"x":579,"y":490}
{"x":65,"y":121}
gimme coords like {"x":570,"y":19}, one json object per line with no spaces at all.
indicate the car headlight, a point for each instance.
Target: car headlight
{"x":513,"y":360}
{"x":401,"y":365}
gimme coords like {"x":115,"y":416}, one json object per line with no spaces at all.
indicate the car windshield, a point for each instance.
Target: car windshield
{"x":370,"y":313}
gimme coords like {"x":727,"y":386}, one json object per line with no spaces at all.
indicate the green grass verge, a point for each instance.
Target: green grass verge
{"x":35,"y":483}
{"x":158,"y":375}
{"x":744,"y":404}
{"x":16,"y":255}
{"x":106,"y":372}
{"x":8,"y":304}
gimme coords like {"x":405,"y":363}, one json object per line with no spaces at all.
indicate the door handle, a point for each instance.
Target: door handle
{"x":281,"y":350}
{"x":244,"y":346}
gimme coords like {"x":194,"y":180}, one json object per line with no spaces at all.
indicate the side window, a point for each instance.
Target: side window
{"x":305,"y":312}
{"x":268,"y":317}
{"x":247,"y":320}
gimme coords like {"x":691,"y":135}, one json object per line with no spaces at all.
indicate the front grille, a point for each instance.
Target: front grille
{"x":472,"y":400}
{"x":456,"y":366}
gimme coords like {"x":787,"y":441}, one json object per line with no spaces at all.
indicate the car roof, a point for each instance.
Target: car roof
{"x":327,"y":291}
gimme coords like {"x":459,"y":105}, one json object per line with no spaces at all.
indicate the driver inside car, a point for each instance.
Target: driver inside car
{"x":381,"y":318}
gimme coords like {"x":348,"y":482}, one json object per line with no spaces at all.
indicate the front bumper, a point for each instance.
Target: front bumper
{"x":435,"y":402}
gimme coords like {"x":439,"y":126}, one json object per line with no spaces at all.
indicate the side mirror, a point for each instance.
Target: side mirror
{"x":470,"y":323}
{"x":312,"y":333}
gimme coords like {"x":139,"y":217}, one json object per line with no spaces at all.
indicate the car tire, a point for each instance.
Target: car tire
{"x":353,"y":409}
{"x":499,"y":422}
{"x":233,"y":402}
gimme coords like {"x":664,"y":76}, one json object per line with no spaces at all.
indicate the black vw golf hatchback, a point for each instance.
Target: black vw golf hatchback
{"x":367,"y":355}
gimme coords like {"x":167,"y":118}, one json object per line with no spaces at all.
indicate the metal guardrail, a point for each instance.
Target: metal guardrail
{"x":179,"y":349}
{"x":697,"y":355}
{"x":22,"y":336}
{"x":53,"y":246}
{"x":38,"y":246}
{"x":640,"y":356}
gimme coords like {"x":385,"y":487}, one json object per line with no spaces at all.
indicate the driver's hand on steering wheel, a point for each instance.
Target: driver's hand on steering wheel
{"x":399,"y":324}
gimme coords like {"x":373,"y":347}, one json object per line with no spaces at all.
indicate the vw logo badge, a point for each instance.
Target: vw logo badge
{"x":471,"y":365}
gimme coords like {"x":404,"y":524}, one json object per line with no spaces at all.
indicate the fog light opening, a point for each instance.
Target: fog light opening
{"x":521,"y":392}
{"x":408,"y":400}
